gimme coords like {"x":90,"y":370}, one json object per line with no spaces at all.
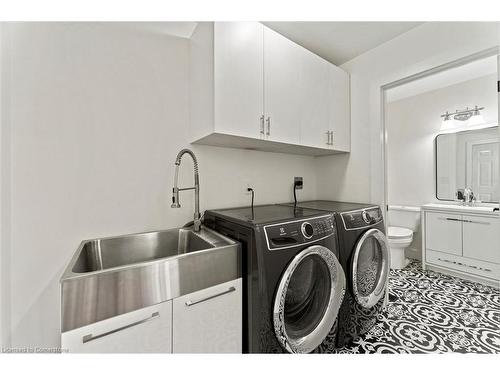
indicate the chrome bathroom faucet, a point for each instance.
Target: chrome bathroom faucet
{"x":468,"y":196}
{"x":196,"y":187}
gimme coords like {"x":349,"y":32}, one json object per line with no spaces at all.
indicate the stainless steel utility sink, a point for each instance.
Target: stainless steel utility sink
{"x":101,"y":254}
{"x":111,"y":276}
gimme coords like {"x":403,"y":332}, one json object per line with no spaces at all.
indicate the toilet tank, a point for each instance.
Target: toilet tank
{"x":404,"y":216}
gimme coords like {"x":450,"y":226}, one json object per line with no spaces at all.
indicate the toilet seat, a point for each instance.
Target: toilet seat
{"x":399,"y":233}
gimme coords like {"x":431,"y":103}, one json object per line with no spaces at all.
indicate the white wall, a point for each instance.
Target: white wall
{"x":360,"y":175}
{"x":97,"y":116}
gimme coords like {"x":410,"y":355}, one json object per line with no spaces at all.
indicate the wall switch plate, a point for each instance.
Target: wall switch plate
{"x":298,"y":182}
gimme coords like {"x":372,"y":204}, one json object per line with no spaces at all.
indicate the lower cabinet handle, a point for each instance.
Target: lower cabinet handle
{"x":328,"y":137}
{"x":465,"y":265}
{"x":476,"y":222}
{"x":91,"y":337}
{"x":262,"y":124}
{"x":331,"y":138}
{"x":452,"y":219}
{"x":268,"y":120}
{"x":191,"y":303}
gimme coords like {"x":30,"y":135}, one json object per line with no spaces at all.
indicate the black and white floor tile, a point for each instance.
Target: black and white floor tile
{"x":430,"y":312}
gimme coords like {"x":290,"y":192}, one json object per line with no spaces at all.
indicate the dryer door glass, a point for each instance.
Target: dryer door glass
{"x":370,"y":267}
{"x":308,"y":299}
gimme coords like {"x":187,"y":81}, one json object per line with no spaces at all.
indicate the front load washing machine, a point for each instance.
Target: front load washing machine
{"x":365,"y":257}
{"x":293,"y":283}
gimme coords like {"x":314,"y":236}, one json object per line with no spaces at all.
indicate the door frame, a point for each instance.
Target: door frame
{"x":489,"y":52}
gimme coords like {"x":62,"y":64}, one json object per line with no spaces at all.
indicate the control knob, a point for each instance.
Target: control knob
{"x":307,"y":230}
{"x":369,"y":219}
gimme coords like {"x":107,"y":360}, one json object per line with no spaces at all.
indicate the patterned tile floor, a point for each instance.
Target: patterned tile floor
{"x":434,"y":313}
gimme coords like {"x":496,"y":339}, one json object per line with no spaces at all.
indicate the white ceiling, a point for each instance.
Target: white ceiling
{"x":473,"y":70}
{"x":339,"y":42}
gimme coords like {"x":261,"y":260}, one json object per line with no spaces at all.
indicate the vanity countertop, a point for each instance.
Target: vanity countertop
{"x":477,"y":208}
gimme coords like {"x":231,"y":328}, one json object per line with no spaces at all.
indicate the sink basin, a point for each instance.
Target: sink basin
{"x":101,"y":254}
{"x":115,"y":275}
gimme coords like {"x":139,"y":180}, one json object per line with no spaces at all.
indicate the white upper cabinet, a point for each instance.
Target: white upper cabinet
{"x":339,"y":109}
{"x":238,"y":73}
{"x":316,"y":101}
{"x":253,"y":88}
{"x":282,"y":70}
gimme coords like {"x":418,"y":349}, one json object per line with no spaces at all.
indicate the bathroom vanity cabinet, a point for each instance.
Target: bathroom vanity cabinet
{"x":253,"y":88}
{"x":463,"y":241}
{"x":206,"y":321}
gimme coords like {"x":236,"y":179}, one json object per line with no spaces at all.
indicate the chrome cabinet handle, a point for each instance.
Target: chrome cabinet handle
{"x":262,"y":124}
{"x":463,"y":264}
{"x":331,"y":138}
{"x":268,"y":121}
{"x":191,"y":303}
{"x":328,"y":137}
{"x":91,"y":337}
{"x":450,"y":219}
{"x":476,"y":222}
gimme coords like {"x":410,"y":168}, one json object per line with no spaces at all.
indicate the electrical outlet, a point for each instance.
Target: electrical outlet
{"x":298,"y":182}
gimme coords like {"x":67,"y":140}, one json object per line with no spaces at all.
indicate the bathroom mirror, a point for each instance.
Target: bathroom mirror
{"x":468,"y":159}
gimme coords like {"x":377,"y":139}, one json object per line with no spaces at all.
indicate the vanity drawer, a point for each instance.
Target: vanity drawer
{"x":467,"y":265}
{"x":443,"y":232}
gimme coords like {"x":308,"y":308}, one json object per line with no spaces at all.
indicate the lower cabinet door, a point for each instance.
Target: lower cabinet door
{"x":443,"y":232}
{"x":209,"y":320}
{"x":482,"y":238}
{"x":148,"y":330}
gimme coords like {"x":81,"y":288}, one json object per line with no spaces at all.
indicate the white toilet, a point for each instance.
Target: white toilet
{"x":403,"y":223}
{"x":399,"y":239}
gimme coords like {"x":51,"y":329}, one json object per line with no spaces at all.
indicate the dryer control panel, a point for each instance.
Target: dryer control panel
{"x":361,"y":218}
{"x":300,"y":232}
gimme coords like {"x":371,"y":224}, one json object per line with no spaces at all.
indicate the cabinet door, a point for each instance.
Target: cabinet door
{"x":482,"y":238}
{"x":340,"y":108}
{"x":443,"y":232}
{"x":238,"y":78}
{"x":316,"y":99}
{"x":148,"y":330}
{"x":209,"y":321}
{"x":282,"y":70}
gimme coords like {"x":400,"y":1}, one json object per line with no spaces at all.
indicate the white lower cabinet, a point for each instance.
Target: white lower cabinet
{"x":481,"y":238}
{"x":206,"y":321}
{"x":445,"y":232}
{"x":209,"y":321}
{"x":466,"y":245}
{"x":148,"y":330}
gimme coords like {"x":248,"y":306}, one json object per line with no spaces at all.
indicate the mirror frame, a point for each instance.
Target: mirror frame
{"x":435,"y":159}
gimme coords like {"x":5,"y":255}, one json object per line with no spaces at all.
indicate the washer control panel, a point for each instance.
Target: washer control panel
{"x":300,"y":232}
{"x":361,"y":218}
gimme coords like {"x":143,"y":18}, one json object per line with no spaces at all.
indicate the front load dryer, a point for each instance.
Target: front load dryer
{"x":365,"y":258}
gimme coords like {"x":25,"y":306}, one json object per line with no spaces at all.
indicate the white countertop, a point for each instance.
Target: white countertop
{"x":476,"y":208}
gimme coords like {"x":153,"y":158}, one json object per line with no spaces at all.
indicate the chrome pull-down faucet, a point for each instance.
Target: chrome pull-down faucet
{"x":196,"y":187}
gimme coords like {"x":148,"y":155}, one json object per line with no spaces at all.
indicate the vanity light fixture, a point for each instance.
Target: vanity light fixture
{"x":450,"y":120}
{"x":462,"y":115}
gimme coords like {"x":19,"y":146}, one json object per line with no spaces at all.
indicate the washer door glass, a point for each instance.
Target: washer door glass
{"x":370,"y":267}
{"x":308,"y":299}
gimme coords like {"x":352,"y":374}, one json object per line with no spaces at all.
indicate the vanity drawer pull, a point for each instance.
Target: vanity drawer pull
{"x":191,"y":303}
{"x":476,"y":222}
{"x":90,"y":337}
{"x":465,"y":265}
{"x":451,"y":219}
